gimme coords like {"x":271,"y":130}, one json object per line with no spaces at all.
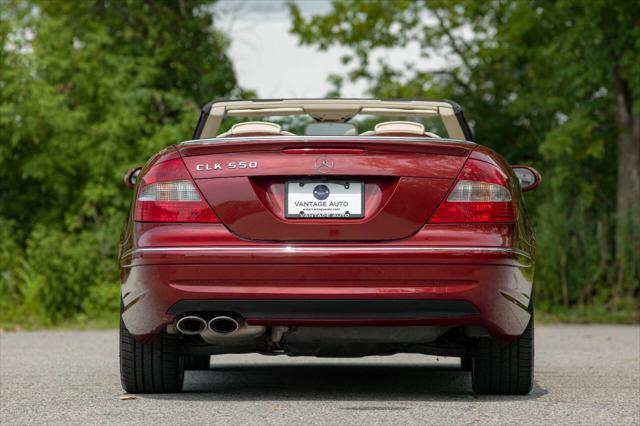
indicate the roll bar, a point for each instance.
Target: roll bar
{"x":332,"y":110}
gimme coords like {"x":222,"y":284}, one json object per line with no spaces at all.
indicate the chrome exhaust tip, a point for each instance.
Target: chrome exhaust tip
{"x":223,"y":325}
{"x":191,"y":325}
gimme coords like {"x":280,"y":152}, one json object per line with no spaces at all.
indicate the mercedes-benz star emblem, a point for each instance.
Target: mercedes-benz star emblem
{"x":324,"y":164}
{"x":321,"y":192}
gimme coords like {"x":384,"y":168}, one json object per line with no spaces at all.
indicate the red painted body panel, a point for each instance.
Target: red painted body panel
{"x":402,"y":189}
{"x":372,"y":145}
{"x":254,"y":209}
{"x":391,"y":254}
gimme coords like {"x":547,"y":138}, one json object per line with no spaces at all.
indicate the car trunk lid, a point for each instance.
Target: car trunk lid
{"x":245,"y":180}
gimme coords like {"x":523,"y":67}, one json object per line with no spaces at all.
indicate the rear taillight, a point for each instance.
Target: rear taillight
{"x":167,"y":193}
{"x":480,"y":195}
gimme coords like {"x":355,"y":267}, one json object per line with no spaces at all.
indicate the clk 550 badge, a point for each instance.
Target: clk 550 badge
{"x":230,"y":165}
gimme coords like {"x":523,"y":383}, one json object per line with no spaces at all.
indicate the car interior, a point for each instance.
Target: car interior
{"x":387,"y":128}
{"x":332,"y":117}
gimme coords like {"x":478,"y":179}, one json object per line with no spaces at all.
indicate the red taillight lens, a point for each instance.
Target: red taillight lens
{"x":168,"y":194}
{"x":480,"y":195}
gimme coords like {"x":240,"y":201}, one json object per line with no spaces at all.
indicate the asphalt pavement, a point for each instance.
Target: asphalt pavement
{"x":584,"y":375}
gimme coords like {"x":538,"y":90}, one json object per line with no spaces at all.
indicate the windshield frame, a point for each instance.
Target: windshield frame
{"x":332,"y":110}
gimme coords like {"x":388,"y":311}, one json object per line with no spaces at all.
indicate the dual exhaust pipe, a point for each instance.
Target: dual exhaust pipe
{"x":194,"y":325}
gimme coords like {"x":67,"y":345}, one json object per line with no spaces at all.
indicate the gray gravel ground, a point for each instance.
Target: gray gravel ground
{"x":584,"y":375}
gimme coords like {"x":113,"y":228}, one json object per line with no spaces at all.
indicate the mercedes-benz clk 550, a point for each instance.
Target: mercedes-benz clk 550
{"x":328,"y":228}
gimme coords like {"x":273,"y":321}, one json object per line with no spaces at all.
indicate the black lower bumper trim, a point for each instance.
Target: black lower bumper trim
{"x":330,"y":309}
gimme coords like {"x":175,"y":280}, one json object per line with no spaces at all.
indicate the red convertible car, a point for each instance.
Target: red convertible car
{"x":328,"y":228}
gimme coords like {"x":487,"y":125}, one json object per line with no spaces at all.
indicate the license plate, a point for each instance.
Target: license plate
{"x":330,"y":199}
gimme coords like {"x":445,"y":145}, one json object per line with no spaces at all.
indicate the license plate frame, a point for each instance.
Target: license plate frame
{"x":355,"y":187}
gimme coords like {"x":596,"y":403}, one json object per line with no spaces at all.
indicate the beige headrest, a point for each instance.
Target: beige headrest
{"x":255,"y":127}
{"x":252,"y":127}
{"x":399,"y":127}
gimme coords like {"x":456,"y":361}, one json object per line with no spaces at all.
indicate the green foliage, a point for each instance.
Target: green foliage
{"x":87,"y":90}
{"x":537,"y":79}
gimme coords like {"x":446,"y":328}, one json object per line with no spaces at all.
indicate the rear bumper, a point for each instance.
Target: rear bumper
{"x":329,"y":285}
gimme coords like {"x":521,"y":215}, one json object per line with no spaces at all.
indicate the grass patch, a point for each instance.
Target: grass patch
{"x":104,"y":321}
{"x":628,"y":313}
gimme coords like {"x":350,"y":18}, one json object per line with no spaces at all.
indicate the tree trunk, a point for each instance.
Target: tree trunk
{"x":628,"y":191}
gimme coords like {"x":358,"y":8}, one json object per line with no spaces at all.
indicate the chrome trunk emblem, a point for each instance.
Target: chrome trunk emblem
{"x":324,"y":164}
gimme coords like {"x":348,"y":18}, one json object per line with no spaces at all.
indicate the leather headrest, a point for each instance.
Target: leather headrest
{"x":395,"y":127}
{"x":252,"y":128}
{"x":255,"y":127}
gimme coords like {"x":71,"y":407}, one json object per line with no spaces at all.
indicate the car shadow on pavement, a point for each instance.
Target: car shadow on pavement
{"x":280,"y":382}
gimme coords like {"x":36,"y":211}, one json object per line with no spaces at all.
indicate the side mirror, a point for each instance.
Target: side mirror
{"x":528,"y":176}
{"x":131,"y":176}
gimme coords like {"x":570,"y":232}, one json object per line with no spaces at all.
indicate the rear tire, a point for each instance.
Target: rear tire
{"x":156,"y":367}
{"x":197,"y":363}
{"x":504,"y":369}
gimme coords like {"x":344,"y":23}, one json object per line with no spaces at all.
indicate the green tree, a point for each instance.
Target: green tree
{"x":553,"y":84}
{"x":87,"y":90}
